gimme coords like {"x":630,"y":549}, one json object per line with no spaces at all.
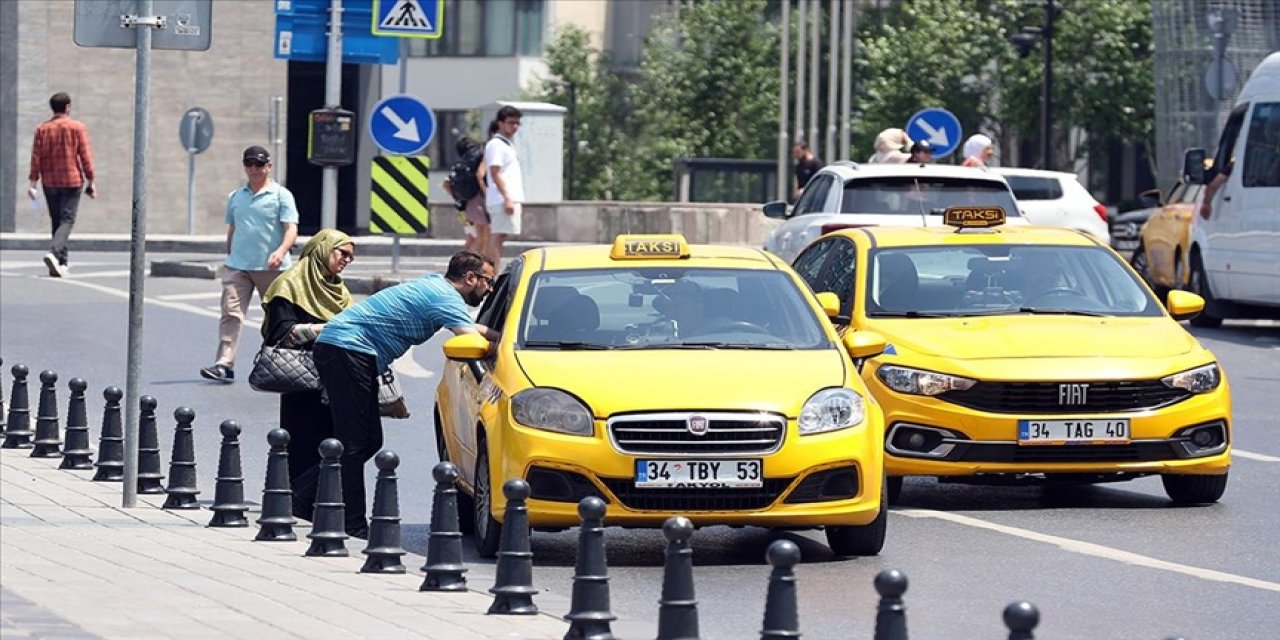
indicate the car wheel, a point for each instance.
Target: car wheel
{"x":893,"y":491}
{"x":864,"y":540}
{"x":1194,"y":489}
{"x":487,"y":530}
{"x":1211,"y":315}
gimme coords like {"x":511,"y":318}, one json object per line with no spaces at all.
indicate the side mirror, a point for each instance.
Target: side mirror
{"x":776,"y":209}
{"x":1183,"y":305}
{"x":864,"y":344}
{"x":1193,"y":166}
{"x":830,"y":303}
{"x":1150,"y":198}
{"x":468,"y":346}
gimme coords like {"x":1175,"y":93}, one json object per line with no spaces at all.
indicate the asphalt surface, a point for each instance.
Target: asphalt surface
{"x":1113,"y":561}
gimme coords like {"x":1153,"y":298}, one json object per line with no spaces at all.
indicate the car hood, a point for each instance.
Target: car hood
{"x":1043,"y":336}
{"x":622,"y":381}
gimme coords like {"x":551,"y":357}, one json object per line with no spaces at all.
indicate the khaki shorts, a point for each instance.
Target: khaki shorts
{"x":501,"y":222}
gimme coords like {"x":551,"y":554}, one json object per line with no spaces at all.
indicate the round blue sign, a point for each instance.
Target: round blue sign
{"x":939,"y":126}
{"x":401,"y":124}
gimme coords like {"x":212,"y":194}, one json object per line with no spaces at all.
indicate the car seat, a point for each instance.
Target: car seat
{"x":899,"y":283}
{"x":577,"y":316}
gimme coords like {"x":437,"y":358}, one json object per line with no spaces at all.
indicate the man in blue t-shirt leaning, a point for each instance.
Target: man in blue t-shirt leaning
{"x":362,"y":341}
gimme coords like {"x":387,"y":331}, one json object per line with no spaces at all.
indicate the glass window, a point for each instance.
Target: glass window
{"x":1032,"y":188}
{"x":1262,"y":147}
{"x":500,"y":27}
{"x":923,"y":196}
{"x":839,"y":276}
{"x":815,"y":195}
{"x":497,"y":28}
{"x":809,"y":264}
{"x":530,"y":25}
{"x":1225,"y":160}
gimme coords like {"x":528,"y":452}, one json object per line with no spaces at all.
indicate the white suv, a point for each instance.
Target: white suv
{"x":847,"y":194}
{"x":1057,"y":199}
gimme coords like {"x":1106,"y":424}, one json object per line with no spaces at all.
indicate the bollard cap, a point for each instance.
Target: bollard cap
{"x":515,"y":489}
{"x":78,"y":385}
{"x":783,"y":553}
{"x":278,"y":438}
{"x":591,"y":508}
{"x":48,"y":376}
{"x":184,"y":415}
{"x":112,"y":394}
{"x":891,"y":583}
{"x":386,"y":461}
{"x":147,"y":403}
{"x":20,"y":371}
{"x":677,"y":529}
{"x":445,"y":472}
{"x":230,"y":429}
{"x":330,"y":449}
{"x":1021,"y":616}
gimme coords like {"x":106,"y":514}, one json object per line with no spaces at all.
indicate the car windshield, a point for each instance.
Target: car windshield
{"x":975,"y":280}
{"x":668,"y":308}
{"x":923,"y":196}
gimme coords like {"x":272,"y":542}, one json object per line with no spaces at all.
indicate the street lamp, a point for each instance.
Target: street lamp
{"x":572,"y":93}
{"x":1024,"y":41}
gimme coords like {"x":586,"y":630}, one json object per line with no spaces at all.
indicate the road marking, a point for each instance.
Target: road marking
{"x":204,"y":295}
{"x":179,"y":306}
{"x":1254,"y":456}
{"x":98,"y":274}
{"x":1095,"y":550}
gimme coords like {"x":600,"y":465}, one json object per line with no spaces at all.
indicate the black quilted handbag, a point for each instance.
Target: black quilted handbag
{"x":281,"y":370}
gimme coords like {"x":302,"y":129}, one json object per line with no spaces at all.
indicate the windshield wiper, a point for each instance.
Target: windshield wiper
{"x":1037,"y":311}
{"x":710,"y":344}
{"x":566,"y":345}
{"x":908,"y":314}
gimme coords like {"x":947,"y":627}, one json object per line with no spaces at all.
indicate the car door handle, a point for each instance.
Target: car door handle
{"x":1226,"y":198}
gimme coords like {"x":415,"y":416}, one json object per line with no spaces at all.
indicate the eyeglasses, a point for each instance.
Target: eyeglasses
{"x":348,"y":255}
{"x":254,"y":163}
{"x":487,"y":279}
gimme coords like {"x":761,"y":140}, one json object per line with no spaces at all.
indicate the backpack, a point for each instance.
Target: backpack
{"x":462,"y":176}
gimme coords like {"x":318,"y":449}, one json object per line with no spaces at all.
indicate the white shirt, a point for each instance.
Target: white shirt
{"x":499,"y":152}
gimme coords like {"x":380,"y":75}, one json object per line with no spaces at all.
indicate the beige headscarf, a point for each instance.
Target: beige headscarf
{"x":308,"y":282}
{"x":891,"y":147}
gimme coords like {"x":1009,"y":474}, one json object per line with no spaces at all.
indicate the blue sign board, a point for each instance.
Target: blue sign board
{"x":301,"y":27}
{"x":401,"y":124}
{"x":408,"y":18}
{"x":939,"y":126}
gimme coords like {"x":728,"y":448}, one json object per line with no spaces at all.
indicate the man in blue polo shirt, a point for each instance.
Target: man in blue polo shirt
{"x":363,"y":340}
{"x":262,"y":224}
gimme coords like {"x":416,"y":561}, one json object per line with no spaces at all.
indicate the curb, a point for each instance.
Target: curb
{"x":363,"y":285}
{"x":216,"y":245}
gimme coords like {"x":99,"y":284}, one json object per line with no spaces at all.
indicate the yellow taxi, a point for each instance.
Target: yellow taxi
{"x":1164,"y":246}
{"x":666,"y":379}
{"x":1026,"y":354}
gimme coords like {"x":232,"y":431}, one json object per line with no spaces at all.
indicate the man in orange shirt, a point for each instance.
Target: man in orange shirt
{"x":62,"y":160}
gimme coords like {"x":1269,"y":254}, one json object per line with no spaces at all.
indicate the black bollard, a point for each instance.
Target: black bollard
{"x":228,"y":492}
{"x":17,"y":427}
{"x":891,"y":615}
{"x":182,"y":464}
{"x":444,"y":566}
{"x":383,"y":550}
{"x":328,"y":516}
{"x":48,"y":442}
{"x":513,"y":586}
{"x":781,"y":614}
{"x":678,"y":608}
{"x":149,"y":476}
{"x":589,"y":614}
{"x":110,"y":462}
{"x":1021,"y":619}
{"x":77,"y":454}
{"x":276,"y":522}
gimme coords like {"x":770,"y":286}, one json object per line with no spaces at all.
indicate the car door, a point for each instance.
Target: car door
{"x":829,"y":265}
{"x":793,"y":233}
{"x":1159,"y":237}
{"x":1256,"y":263}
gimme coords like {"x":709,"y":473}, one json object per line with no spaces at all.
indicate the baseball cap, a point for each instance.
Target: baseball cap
{"x":921,"y":146}
{"x":257,"y":153}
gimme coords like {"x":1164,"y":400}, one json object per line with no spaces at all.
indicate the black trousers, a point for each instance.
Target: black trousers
{"x":350,"y":381}
{"x":63,"y":203}
{"x":309,"y":422}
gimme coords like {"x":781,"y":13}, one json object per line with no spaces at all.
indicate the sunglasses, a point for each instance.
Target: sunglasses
{"x":347,"y":254}
{"x":254,"y":163}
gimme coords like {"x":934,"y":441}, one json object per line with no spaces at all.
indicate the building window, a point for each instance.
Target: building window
{"x":486,"y":28}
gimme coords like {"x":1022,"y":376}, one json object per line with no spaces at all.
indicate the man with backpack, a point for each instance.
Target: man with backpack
{"x":463,"y":185}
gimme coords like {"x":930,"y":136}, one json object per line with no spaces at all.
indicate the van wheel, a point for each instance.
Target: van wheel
{"x":487,"y":530}
{"x":1211,"y":315}
{"x":864,"y":540}
{"x":1194,"y":489}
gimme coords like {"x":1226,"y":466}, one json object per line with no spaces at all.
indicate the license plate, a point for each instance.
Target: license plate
{"x":698,"y":474}
{"x":1083,"y":431}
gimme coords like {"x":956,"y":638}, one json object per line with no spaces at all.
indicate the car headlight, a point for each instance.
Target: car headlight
{"x":921,"y":383}
{"x":552,"y":410}
{"x":830,"y":410}
{"x":1197,"y":380}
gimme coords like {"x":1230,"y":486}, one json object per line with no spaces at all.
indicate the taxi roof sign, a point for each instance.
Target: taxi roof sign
{"x":649,"y":247}
{"x":973,"y":217}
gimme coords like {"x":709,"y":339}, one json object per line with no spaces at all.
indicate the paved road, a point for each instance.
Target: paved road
{"x":1115,"y":561}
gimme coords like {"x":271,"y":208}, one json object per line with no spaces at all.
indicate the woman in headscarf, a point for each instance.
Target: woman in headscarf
{"x":891,"y":147}
{"x":978,"y":150}
{"x":297,"y":306}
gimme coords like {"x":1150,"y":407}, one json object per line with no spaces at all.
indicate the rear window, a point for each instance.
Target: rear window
{"x":1031,"y":188}
{"x":919,"y":196}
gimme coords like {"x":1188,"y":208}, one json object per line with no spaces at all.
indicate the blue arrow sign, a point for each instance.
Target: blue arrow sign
{"x":408,"y":18}
{"x":401,"y":124}
{"x":939,"y":126}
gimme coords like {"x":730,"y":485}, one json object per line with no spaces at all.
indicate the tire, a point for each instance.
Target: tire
{"x":487,"y":532}
{"x":864,"y":540}
{"x":1211,"y":315}
{"x":1194,"y":489}
{"x":893,"y":491}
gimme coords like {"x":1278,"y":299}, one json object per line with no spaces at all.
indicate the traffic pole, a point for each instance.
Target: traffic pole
{"x":332,"y":100}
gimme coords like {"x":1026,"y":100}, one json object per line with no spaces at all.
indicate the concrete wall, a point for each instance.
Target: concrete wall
{"x":8,"y":110}
{"x":234,"y":80}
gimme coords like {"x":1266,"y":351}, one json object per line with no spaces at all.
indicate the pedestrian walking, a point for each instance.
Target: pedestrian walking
{"x":504,"y":197}
{"x":62,"y":160}
{"x":806,"y":164}
{"x":463,"y":185}
{"x":891,"y":147}
{"x":921,"y":152}
{"x":363,"y":340}
{"x":297,"y":305}
{"x":978,"y":150}
{"x":262,"y":224}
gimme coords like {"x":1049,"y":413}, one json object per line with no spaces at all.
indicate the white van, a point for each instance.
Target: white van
{"x":1235,"y":248}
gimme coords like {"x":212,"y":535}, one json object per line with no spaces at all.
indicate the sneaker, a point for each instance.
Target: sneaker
{"x":219,"y":372}
{"x":55,"y":268}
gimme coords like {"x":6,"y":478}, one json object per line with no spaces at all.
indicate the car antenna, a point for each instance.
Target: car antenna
{"x":924,"y":215}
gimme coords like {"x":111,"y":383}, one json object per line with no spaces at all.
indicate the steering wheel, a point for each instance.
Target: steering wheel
{"x":725,"y":325}
{"x":1056,"y":291}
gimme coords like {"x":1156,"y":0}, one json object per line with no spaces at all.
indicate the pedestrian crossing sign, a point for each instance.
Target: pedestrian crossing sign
{"x":408,"y":18}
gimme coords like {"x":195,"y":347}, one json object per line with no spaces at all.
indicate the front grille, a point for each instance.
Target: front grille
{"x":1042,"y":397}
{"x":696,"y":499}
{"x":1011,"y":452}
{"x":669,"y":433}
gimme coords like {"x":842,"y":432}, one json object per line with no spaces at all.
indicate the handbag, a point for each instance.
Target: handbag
{"x":281,"y":370}
{"x":390,"y":398}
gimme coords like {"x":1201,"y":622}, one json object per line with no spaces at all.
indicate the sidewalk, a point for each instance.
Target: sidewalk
{"x":372,"y":245}
{"x":75,"y":565}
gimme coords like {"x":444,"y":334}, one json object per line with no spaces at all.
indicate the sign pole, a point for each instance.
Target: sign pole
{"x":404,"y":84}
{"x":332,"y":99}
{"x":192,"y":122}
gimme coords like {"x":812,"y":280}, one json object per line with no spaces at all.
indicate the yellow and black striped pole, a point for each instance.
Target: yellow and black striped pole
{"x":398,"y":201}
